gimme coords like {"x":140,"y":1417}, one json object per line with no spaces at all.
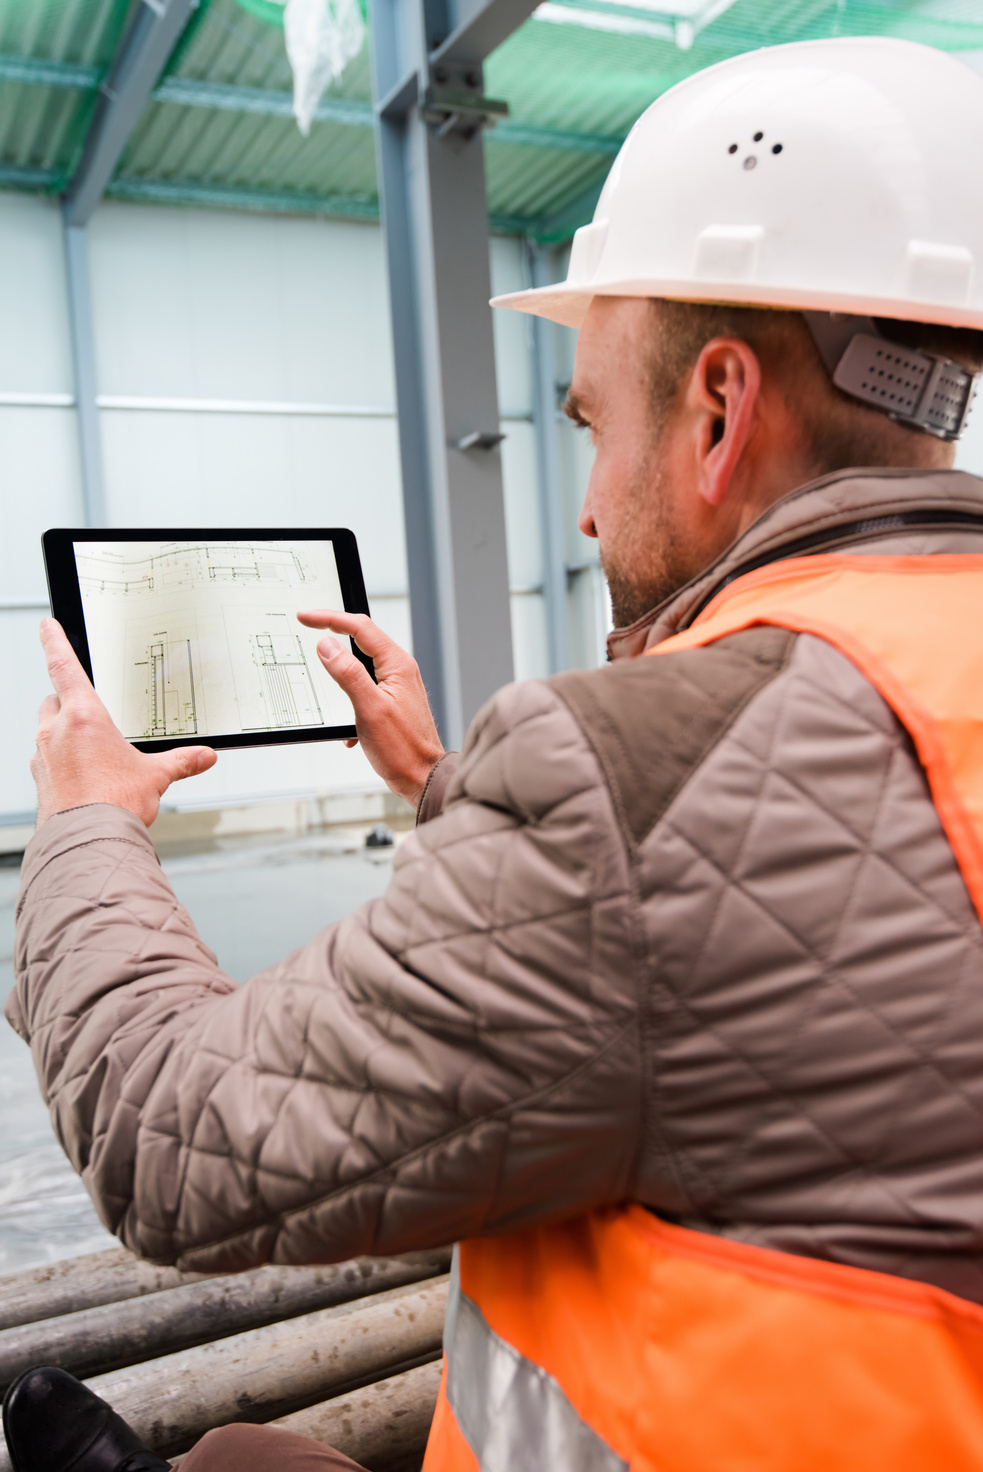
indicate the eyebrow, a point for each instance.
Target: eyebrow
{"x":572,"y":409}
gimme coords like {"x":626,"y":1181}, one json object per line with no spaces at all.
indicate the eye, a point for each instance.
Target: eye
{"x":758,"y":137}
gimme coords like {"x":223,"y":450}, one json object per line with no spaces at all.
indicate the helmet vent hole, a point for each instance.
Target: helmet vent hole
{"x":758,"y":137}
{"x":732,"y":148}
{"x":776,"y":148}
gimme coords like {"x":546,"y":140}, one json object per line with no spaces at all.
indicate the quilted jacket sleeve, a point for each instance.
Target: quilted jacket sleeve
{"x":459,"y":1057}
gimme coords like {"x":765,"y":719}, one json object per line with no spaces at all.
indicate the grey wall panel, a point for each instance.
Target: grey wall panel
{"x":530,"y":647}
{"x":241,"y":306}
{"x":24,"y":681}
{"x":35,"y":347}
{"x":39,"y":487}
{"x":522,"y":522}
{"x":175,"y":469}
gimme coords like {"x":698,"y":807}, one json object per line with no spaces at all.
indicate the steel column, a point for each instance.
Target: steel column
{"x":551,"y":510}
{"x":84,"y":368}
{"x":435,"y":221}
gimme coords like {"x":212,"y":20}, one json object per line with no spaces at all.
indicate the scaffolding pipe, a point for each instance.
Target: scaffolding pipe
{"x":552,"y":529}
{"x":96,"y":1340}
{"x":83,"y":1282}
{"x":171,"y":1402}
{"x":383,"y":1426}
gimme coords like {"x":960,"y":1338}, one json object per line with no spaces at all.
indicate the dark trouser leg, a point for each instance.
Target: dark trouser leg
{"x":239,"y":1448}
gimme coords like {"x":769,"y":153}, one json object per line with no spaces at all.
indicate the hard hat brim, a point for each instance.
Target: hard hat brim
{"x":568,"y":305}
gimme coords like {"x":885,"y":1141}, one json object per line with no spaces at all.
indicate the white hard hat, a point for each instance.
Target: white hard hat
{"x":837,"y":176}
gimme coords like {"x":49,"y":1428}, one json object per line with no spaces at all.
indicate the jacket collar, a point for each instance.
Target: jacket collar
{"x":846,"y":509}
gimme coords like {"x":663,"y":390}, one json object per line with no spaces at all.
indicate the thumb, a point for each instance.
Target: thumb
{"x":347,"y":671}
{"x":185,"y":761}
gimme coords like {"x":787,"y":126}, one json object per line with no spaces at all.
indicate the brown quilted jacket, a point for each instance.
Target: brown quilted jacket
{"x":687,"y":931}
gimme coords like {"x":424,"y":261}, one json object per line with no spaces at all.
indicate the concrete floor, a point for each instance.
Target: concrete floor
{"x":252,"y":903}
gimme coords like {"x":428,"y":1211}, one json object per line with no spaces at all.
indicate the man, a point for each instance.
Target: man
{"x":672,"y":1014}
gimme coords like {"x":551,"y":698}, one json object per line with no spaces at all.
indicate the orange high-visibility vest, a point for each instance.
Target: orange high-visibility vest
{"x":618,"y":1341}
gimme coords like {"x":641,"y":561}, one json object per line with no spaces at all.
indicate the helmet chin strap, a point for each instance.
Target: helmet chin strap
{"x":922,"y":390}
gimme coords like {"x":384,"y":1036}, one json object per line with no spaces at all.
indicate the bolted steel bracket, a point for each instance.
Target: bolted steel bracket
{"x":479,"y":441}
{"x":460,"y":109}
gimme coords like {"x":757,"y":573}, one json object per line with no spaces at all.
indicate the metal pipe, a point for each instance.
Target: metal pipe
{"x":84,"y":366}
{"x":171,"y":1402}
{"x":550,"y":478}
{"x":83,"y":1282}
{"x":382,"y":1426}
{"x":100,"y":1339}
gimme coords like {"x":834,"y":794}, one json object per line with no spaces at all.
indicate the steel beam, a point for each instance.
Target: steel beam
{"x":38,"y":72}
{"x":434,"y":214}
{"x":219,"y":196}
{"x":551,"y":517}
{"x":153,"y":32}
{"x":476,"y":27}
{"x":84,"y":366}
{"x":349,"y":112}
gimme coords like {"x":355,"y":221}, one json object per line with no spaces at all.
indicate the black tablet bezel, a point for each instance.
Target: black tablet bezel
{"x":65,"y":597}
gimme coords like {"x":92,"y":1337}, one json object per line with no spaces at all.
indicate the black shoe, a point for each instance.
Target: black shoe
{"x":53,"y":1423}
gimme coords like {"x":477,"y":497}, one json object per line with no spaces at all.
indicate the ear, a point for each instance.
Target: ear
{"x":723,"y":394}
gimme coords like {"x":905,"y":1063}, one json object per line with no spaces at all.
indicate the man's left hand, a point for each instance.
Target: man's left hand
{"x":82,"y":758}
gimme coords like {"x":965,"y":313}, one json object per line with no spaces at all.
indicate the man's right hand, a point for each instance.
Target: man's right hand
{"x":395,"y":727}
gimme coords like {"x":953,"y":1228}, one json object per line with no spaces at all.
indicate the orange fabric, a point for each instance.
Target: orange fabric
{"x":904,"y":622}
{"x":689,"y":1353}
{"x":447,"y":1451}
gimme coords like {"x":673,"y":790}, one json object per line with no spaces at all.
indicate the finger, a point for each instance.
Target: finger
{"x":319,"y":618}
{"x":64,"y":670}
{"x":351,"y":741}
{"x":185,"y":761}
{"x":358,"y":626}
{"x":347,"y":671}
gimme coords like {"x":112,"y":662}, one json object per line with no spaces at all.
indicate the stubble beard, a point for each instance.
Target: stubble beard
{"x":652,"y":570}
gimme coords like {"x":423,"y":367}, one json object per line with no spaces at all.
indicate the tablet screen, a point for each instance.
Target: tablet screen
{"x":199,"y":638}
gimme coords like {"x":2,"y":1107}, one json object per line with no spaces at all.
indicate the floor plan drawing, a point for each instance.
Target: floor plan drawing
{"x":170,"y":692}
{"x":198,"y":638}
{"x":289,"y":690}
{"x":186,"y":565}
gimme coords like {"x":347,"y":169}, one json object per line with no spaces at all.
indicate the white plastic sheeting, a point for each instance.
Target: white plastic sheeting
{"x":322,"y":37}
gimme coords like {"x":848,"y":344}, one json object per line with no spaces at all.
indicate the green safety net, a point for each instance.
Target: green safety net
{"x":270,"y":12}
{"x":575,"y":76}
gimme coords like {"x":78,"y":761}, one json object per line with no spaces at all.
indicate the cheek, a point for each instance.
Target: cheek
{"x":621,"y":488}
{"x":608,"y":489}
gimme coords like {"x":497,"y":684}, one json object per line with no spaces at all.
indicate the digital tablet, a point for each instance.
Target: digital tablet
{"x":191,"y":637}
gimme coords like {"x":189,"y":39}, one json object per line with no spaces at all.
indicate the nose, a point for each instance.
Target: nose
{"x":585,"y":520}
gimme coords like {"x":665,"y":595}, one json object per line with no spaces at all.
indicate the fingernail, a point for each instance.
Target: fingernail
{"x":328,"y":647}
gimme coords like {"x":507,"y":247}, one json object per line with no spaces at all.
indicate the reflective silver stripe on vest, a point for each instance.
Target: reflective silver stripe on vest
{"x":513,"y":1415}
